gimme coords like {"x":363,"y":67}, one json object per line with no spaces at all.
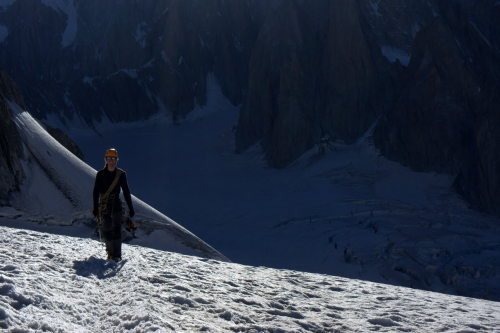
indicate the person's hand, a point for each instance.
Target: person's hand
{"x":95,"y":211}
{"x":131,"y":212}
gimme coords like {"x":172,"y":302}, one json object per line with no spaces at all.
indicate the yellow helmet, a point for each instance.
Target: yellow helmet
{"x":111,"y":153}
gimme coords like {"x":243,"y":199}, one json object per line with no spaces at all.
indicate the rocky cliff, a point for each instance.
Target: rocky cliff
{"x":444,"y":118}
{"x":11,"y":149}
{"x":64,"y":140}
{"x":126,"y":60}
{"x":323,"y":71}
{"x":428,"y":72}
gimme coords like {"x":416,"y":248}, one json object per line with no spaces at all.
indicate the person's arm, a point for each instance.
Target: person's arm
{"x":126,"y":192}
{"x":96,"y":192}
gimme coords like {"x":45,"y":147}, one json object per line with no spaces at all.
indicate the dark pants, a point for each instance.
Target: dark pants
{"x":112,"y":232}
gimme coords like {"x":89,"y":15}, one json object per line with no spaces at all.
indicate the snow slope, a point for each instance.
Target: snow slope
{"x":342,"y":210}
{"x":58,"y":190}
{"x":60,"y":284}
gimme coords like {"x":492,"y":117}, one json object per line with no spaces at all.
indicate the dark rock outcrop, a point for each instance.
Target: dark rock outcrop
{"x":429,"y":128}
{"x":317,"y":73}
{"x":477,"y":27}
{"x":11,"y":149}
{"x":350,"y":76}
{"x":65,"y":141}
{"x":279,"y":106}
{"x":446,"y":118}
{"x":311,"y":76}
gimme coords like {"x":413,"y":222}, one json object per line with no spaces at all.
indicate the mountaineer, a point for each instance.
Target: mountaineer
{"x":108,"y":208}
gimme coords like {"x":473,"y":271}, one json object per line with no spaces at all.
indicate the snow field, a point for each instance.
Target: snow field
{"x":61,"y":284}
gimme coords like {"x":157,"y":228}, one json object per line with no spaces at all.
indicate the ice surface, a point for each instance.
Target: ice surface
{"x":58,"y":283}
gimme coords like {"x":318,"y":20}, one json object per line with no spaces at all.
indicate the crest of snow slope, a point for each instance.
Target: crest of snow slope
{"x":57,"y":283}
{"x":59,"y":190}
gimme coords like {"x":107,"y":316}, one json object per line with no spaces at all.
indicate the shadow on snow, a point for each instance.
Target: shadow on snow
{"x":100,"y":268}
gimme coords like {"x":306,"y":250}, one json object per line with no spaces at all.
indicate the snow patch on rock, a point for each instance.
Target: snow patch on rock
{"x":6,"y":3}
{"x":68,"y":7}
{"x":140,"y":35}
{"x":392,"y":54}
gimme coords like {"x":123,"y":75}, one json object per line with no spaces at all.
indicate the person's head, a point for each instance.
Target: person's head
{"x":111,"y":158}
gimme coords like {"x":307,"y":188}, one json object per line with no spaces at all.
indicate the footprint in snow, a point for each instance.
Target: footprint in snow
{"x":183,"y":301}
{"x":387,"y":298}
{"x":386,"y":322}
{"x":248,"y":302}
{"x":17,"y":300}
{"x":291,"y":314}
{"x":8,"y":268}
{"x":182,"y":288}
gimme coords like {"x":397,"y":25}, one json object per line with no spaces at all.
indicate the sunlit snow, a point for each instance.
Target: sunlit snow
{"x":61,"y":284}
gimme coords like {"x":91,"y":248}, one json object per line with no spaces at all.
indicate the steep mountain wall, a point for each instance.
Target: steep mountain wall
{"x":323,"y":71}
{"x":446,"y":117}
{"x":11,"y":149}
{"x":64,"y":140}
{"x":126,"y":60}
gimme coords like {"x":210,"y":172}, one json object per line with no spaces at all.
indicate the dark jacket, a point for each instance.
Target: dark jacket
{"x":103,"y":181}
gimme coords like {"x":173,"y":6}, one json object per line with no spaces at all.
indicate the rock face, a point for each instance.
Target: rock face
{"x":65,"y":141}
{"x":311,"y":76}
{"x":445,"y":118}
{"x":318,"y":72}
{"x":431,"y":77}
{"x":126,"y":60}
{"x":429,"y":126}
{"x":11,"y":149}
{"x":282,"y":83}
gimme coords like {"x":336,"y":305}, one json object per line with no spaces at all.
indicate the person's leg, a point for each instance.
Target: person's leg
{"x":117,"y":234}
{"x":107,"y":234}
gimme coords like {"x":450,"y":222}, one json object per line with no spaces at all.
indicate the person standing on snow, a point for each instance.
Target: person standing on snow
{"x":108,"y":209}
